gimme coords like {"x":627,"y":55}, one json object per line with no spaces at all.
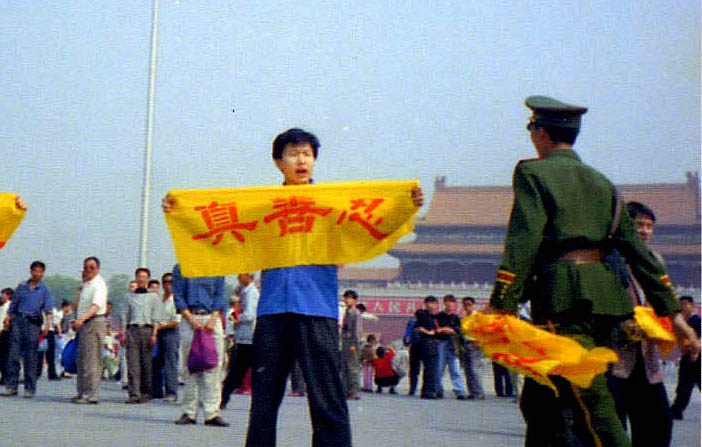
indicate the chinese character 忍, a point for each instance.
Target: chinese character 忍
{"x":295,"y":214}
{"x":362,"y":213}
{"x":221,"y":218}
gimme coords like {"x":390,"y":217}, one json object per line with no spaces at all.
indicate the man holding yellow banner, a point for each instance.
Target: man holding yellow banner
{"x":12,"y":211}
{"x":297,"y":234}
{"x":565,"y":220}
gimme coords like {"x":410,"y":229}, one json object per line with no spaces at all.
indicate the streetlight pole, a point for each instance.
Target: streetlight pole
{"x":146,"y":188}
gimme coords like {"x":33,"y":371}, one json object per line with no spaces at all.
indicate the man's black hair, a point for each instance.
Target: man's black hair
{"x":294,"y":136}
{"x":687,"y":298}
{"x":468,"y":299}
{"x":636,"y":208}
{"x":37,"y":264}
{"x":8,"y":291}
{"x":142,"y":269}
{"x":65,"y":303}
{"x":153,"y":281}
{"x":565,"y":135}
{"x":380,"y":352}
{"x":351,"y":293}
{"x":92,"y":258}
{"x":449,"y":297}
{"x":361,"y":307}
{"x":431,"y":299}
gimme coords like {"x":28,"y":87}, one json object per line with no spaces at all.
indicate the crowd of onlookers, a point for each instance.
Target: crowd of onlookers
{"x":141,"y":345}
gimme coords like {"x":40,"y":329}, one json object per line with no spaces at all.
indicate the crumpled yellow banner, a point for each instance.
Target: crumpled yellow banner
{"x":534,"y":352}
{"x":10,"y":216}
{"x":657,"y":329}
{"x":227,"y":231}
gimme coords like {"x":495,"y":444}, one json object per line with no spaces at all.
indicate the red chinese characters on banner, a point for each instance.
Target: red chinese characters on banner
{"x":222,"y":218}
{"x":361,"y":212}
{"x":295,"y":214}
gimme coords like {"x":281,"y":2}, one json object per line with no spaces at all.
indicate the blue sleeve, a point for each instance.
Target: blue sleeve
{"x":48,"y":301}
{"x":407,"y":337}
{"x":220,"y":302}
{"x":12,"y":310}
{"x":178,"y":285}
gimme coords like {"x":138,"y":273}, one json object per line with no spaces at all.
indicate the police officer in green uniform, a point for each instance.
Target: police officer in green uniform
{"x":564,"y":225}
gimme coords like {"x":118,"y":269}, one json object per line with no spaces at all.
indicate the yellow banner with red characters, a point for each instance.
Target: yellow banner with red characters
{"x":657,"y":329}
{"x":10,"y":216}
{"x":534,"y":352}
{"x":227,"y":231}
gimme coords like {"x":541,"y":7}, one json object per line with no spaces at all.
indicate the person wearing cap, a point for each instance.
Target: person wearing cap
{"x":566,"y":218}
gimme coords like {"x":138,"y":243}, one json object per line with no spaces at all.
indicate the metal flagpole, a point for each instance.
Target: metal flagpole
{"x":146,"y":188}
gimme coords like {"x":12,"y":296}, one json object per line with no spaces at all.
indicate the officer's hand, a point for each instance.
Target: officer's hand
{"x":167,"y":203}
{"x":686,"y":336}
{"x":417,"y":197}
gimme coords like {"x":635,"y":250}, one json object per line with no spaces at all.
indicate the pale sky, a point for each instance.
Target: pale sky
{"x":411,"y":90}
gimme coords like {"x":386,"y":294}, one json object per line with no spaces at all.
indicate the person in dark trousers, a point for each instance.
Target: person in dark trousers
{"x":503,"y":381}
{"x":165,"y":365}
{"x":5,"y":299}
{"x":411,"y":340}
{"x":298,"y":320}
{"x":636,"y":380}
{"x":689,"y":368}
{"x":31,"y":307}
{"x":385,"y":375}
{"x":243,"y":354}
{"x":565,"y":221}
{"x":425,"y":326}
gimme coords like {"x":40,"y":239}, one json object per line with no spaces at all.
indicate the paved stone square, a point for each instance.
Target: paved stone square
{"x":378,"y":420}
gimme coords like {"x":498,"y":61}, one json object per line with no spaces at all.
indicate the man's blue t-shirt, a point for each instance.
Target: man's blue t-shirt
{"x":311,"y":290}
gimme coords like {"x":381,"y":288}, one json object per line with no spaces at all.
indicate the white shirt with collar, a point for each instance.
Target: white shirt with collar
{"x":94,"y":292}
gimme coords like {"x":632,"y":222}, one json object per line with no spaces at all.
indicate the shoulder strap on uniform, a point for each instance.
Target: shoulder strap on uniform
{"x":616,"y":215}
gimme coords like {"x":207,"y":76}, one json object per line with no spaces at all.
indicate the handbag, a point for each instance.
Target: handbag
{"x":69,"y":356}
{"x":203,"y":352}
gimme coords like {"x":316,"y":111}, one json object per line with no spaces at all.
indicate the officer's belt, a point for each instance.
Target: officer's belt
{"x":582,"y":256}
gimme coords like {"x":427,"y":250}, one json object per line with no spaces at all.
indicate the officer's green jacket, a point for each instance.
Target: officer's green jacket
{"x":561,"y":204}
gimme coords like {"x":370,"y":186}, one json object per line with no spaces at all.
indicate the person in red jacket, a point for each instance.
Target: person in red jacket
{"x":384,"y":373}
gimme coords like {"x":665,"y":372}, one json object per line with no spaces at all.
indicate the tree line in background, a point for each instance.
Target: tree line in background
{"x":64,"y":288}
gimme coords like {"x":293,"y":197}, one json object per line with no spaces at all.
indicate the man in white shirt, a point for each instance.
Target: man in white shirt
{"x":5,"y":298}
{"x":91,"y":329}
{"x":165,"y":364}
{"x":246,"y":324}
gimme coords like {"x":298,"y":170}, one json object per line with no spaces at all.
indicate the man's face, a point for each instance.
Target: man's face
{"x":244,"y":279}
{"x":686,"y":308}
{"x":644,"y":226}
{"x":468,"y":307}
{"x":350,"y":301}
{"x":37,"y":273}
{"x":450,"y":307}
{"x":142,"y":278}
{"x":432,"y":307}
{"x":133,"y":286}
{"x":154,"y":288}
{"x":90,"y":270}
{"x":297,"y":164}
{"x":167,"y":283}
